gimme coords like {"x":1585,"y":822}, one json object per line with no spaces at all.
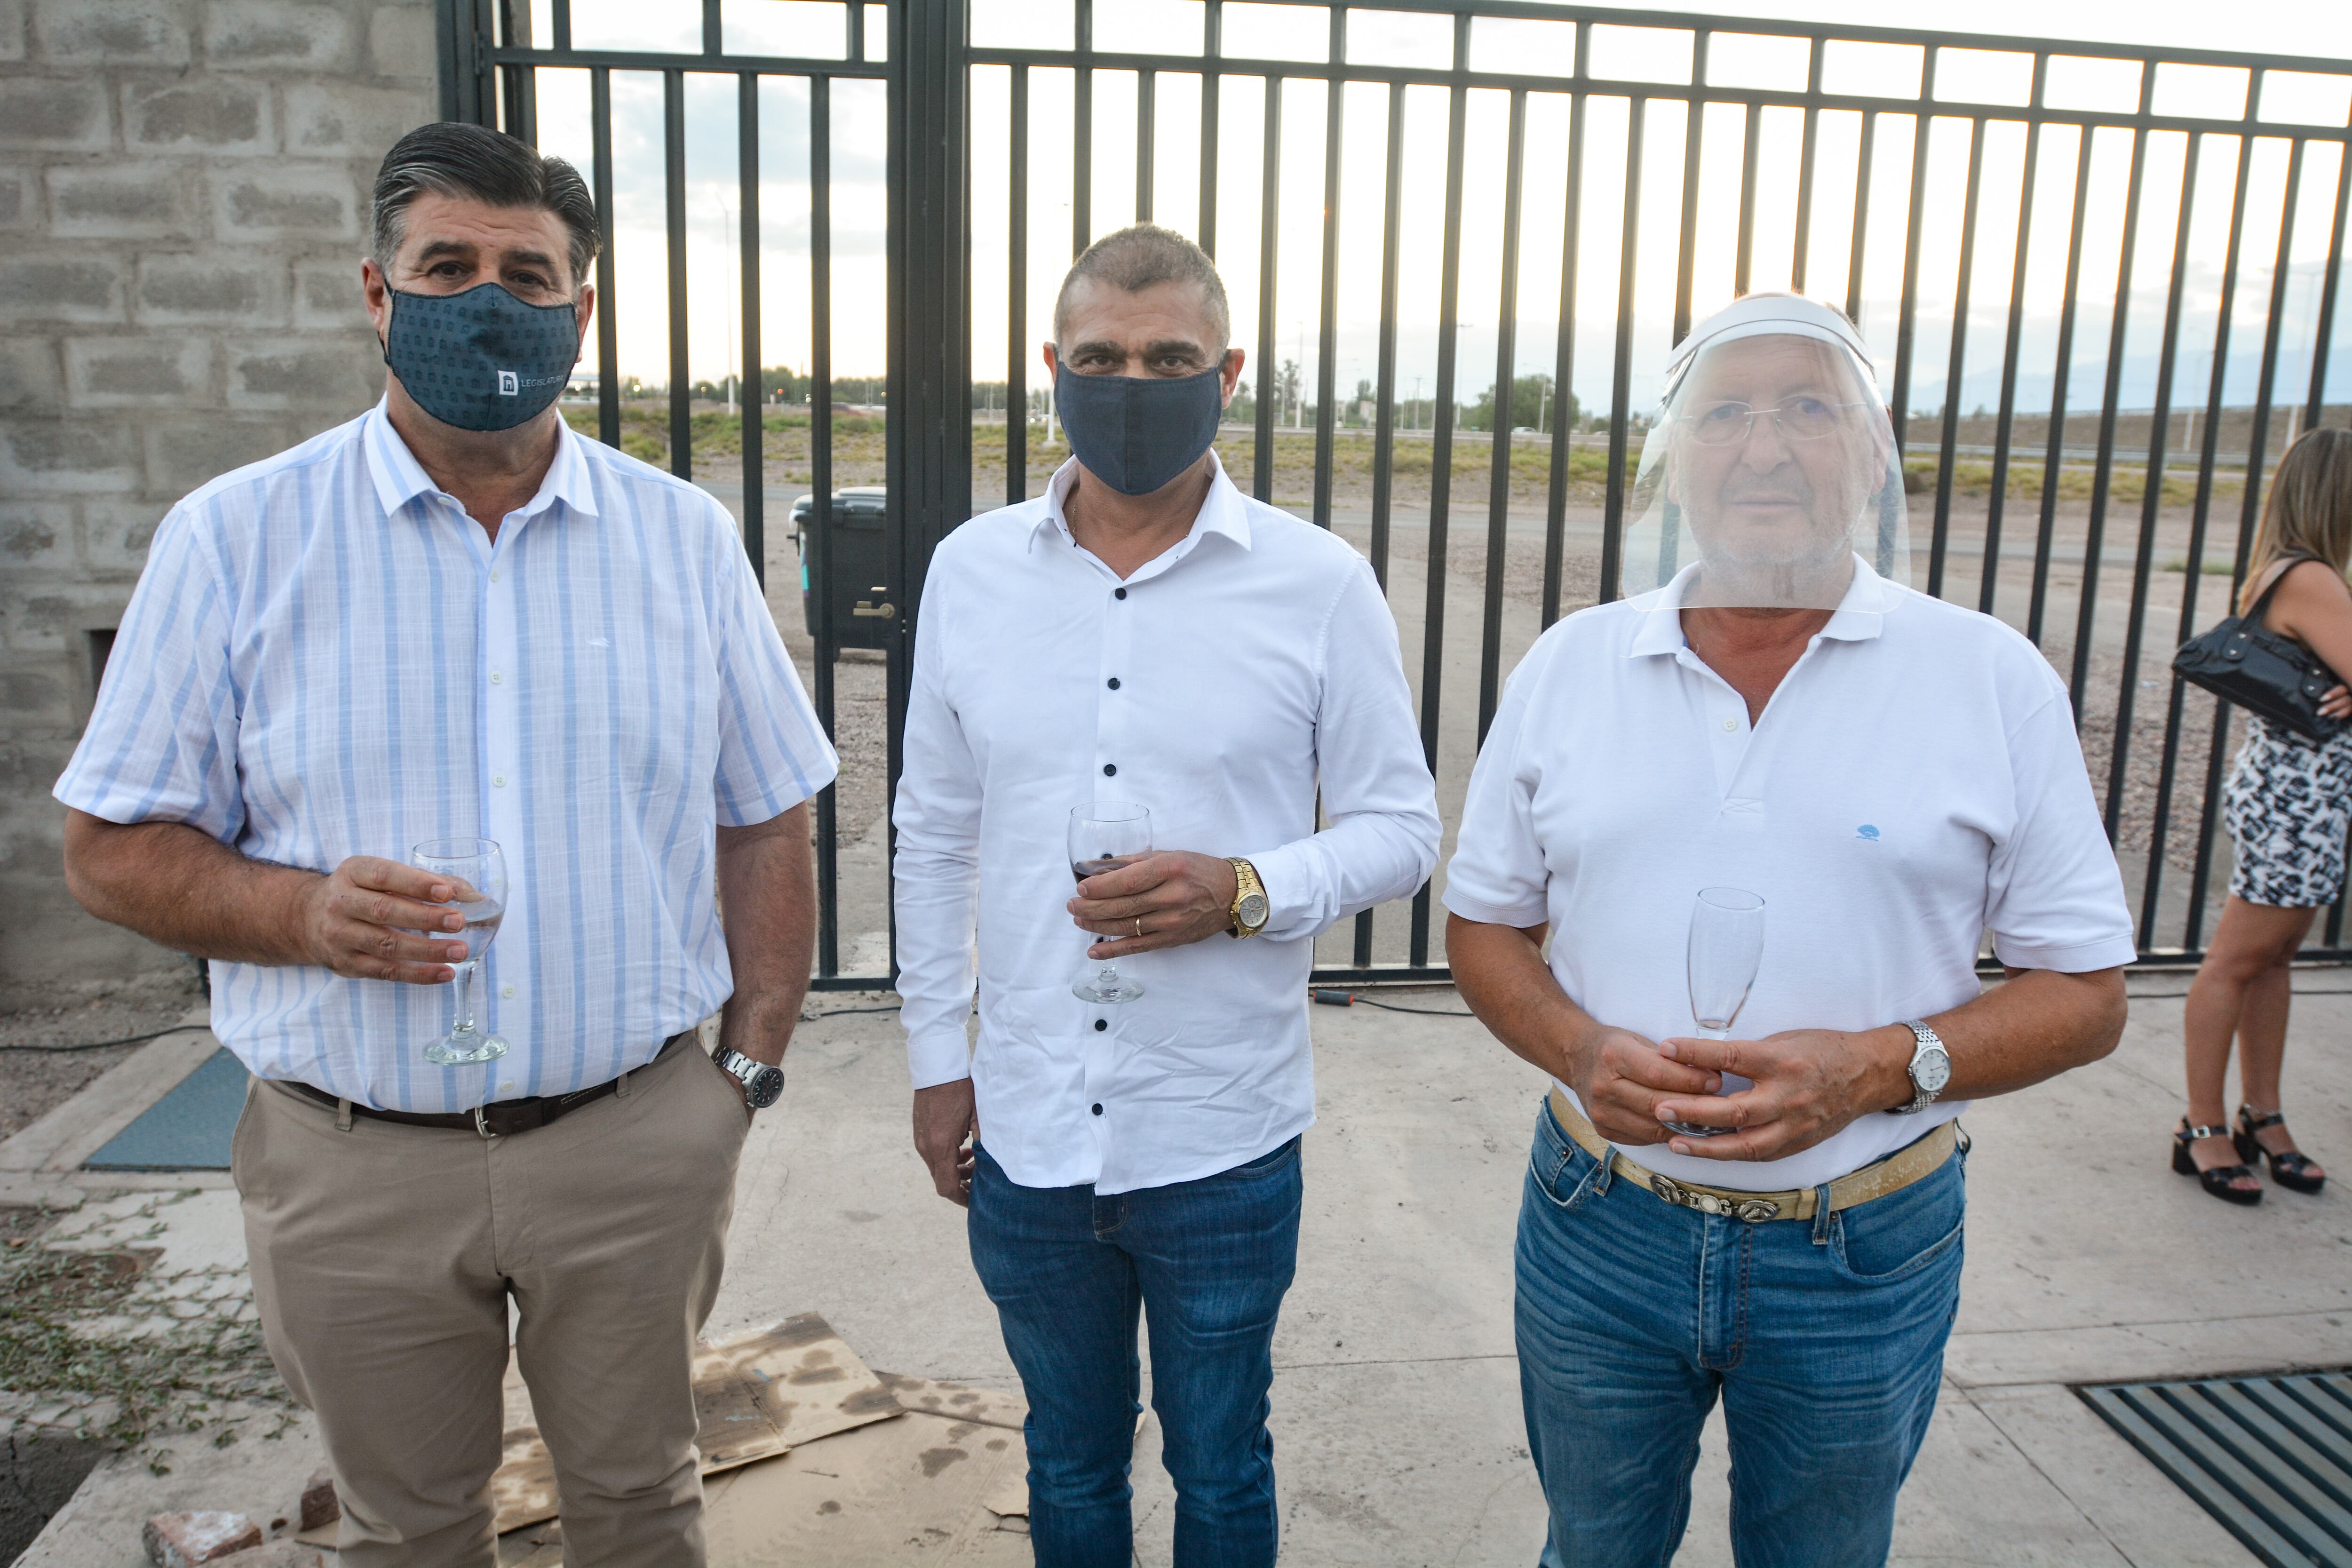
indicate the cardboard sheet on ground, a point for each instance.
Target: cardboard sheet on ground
{"x":757,"y":1396}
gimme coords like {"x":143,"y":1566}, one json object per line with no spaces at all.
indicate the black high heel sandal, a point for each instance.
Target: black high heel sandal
{"x":2218,"y":1180}
{"x":2292,"y":1169}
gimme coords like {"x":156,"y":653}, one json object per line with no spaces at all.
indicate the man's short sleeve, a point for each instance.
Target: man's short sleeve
{"x":1497,"y":875}
{"x":161,"y":741}
{"x":2054,"y":897}
{"x":773,"y":752}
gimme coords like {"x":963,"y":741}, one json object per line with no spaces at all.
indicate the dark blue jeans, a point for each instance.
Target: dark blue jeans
{"x":1825,"y":1340}
{"x":1069,"y":1271}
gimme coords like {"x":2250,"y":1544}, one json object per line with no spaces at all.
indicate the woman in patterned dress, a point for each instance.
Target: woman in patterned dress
{"x":2287,"y":807}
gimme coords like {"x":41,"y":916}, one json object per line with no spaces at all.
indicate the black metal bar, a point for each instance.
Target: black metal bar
{"x":1613,"y":514}
{"x":1856,"y":250}
{"x":2005,"y":422}
{"x":1746,"y":254}
{"x":559,"y":16}
{"x":1501,"y":423}
{"x":459,"y":26}
{"x":1956,"y":364}
{"x":2323,"y":331}
{"x":750,"y":381}
{"x":1269,"y":235}
{"x":1016,"y":303}
{"x":1147,"y":129}
{"x":2217,"y":380}
{"x":854,"y":29}
{"x":1212,"y":31}
{"x":1563,"y":400}
{"x":713,"y":28}
{"x":2060,"y":373}
{"x":681,"y":389}
{"x":1906,"y":314}
{"x":1800,"y":246}
{"x":608,"y":335}
{"x":2151,"y":501}
{"x":1327,"y":345}
{"x":817,"y":541}
{"x":1082,"y":130}
{"x":2102,"y":473}
{"x":1441,"y":460}
{"x":521,"y":81}
{"x":1693,"y":133}
{"x":1384,"y":395}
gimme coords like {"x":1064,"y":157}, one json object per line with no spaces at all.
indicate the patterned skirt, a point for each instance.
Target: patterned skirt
{"x":2286,"y":807}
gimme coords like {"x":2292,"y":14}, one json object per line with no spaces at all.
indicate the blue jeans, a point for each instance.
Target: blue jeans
{"x":1825,"y":1340}
{"x":1068,"y":1272}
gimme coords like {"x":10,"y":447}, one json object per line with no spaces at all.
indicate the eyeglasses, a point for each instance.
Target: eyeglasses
{"x":1796,"y":418}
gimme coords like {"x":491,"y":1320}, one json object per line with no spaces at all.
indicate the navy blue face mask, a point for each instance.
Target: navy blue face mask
{"x":482,"y":360}
{"x":1137,"y":432}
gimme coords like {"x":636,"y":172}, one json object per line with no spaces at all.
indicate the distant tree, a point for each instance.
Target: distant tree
{"x":1532,"y":406}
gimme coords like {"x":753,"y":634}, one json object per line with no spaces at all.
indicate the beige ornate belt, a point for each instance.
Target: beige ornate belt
{"x":1892,"y":1175}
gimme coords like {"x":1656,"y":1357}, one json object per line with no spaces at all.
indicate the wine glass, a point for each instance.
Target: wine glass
{"x":479,"y":872}
{"x":1103,"y":838}
{"x":1727,"y":942}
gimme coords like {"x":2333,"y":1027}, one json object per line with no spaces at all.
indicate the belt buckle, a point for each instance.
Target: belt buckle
{"x":1753,"y":1211}
{"x":481,"y":1123}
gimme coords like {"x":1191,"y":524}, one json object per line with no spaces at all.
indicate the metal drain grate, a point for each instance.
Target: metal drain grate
{"x":2271,"y":1457}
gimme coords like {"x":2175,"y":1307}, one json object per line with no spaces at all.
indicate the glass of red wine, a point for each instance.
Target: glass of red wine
{"x":477,"y":870}
{"x":1103,"y":838}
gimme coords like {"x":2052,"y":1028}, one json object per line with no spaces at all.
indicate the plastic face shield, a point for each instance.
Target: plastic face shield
{"x":1769,"y":475}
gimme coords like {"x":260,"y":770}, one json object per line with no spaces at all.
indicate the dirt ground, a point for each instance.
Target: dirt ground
{"x":32,"y":1081}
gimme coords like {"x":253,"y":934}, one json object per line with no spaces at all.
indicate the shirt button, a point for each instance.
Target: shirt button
{"x":1119,"y":593}
{"x":1101,"y":1024}
{"x":1114,"y":683}
{"x":506,"y":1088}
{"x":494,"y":576}
{"x":1730,"y":724}
{"x":1110,"y":770}
{"x":495,"y":678}
{"x":1098,"y":1108}
{"x":506,"y":991}
{"x":497,"y":781}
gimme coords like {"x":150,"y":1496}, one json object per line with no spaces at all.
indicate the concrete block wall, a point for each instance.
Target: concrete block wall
{"x":183,"y":207}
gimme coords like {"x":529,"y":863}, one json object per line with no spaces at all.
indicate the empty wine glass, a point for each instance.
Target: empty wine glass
{"x":1727,"y":942}
{"x":480,"y":871}
{"x":1103,"y":838}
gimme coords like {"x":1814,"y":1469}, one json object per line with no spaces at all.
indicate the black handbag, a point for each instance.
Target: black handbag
{"x":2262,"y":671}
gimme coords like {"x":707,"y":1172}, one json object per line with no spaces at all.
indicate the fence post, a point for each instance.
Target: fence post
{"x":462,"y":32}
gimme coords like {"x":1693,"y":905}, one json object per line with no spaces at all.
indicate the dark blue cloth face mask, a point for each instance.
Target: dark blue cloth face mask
{"x":482,"y":360}
{"x":1137,"y":432}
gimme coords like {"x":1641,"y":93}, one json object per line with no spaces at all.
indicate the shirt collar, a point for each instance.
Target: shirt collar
{"x":1222,"y":511}
{"x":401,"y":478}
{"x":1859,"y":616}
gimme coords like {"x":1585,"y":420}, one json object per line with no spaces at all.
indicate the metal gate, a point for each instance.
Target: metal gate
{"x":2169,"y":209}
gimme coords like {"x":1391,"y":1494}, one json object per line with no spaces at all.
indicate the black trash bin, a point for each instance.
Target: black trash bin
{"x":862,"y":610}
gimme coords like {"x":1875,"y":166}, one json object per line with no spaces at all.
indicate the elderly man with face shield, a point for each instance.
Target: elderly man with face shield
{"x":1765,"y":810}
{"x":1151,"y":680}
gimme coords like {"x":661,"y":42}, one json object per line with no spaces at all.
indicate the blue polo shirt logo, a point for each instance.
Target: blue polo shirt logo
{"x":1867,"y":833}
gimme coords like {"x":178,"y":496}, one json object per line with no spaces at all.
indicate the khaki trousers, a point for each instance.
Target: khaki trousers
{"x":383,"y":1258}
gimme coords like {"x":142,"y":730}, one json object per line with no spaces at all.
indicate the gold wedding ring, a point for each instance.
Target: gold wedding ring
{"x":1138,"y":925}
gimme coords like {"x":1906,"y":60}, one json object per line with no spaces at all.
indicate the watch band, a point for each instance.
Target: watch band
{"x":1247,"y":887}
{"x":1928,"y":1044}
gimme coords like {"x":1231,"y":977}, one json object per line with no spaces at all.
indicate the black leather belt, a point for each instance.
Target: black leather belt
{"x":500,"y":1119}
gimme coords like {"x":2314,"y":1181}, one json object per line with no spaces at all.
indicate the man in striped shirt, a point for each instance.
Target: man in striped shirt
{"x":455,"y":617}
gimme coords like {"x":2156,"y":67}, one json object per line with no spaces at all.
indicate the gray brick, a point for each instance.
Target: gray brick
{"x":331,"y":379}
{"x":226,"y":288}
{"x":35,"y":536}
{"x":52,"y":456}
{"x":123,"y":201}
{"x":25,"y":693}
{"x":401,"y":42}
{"x":28,"y":374}
{"x":12,"y":30}
{"x":202,"y":115}
{"x":19,"y":208}
{"x":65,"y":113}
{"x":116,"y":534}
{"x":243,"y":33}
{"x":336,"y":118}
{"x":112,"y":32}
{"x":158,"y":370}
{"x":290,"y":202}
{"x":326,"y":294}
{"x":52,"y":617}
{"x":71,"y":286}
{"x":184,"y":453}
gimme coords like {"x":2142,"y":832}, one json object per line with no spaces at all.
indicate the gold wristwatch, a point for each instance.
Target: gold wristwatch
{"x":1249,"y":908}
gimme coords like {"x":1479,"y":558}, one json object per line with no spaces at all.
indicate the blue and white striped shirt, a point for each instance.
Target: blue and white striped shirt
{"x":327,"y":658}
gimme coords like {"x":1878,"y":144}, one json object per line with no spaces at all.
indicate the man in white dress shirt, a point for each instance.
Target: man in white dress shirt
{"x":1779,"y":741}
{"x":1141,"y":634}
{"x":453,"y":617}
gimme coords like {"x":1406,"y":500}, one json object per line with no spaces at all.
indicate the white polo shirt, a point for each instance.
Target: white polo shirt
{"x":1914,"y":781}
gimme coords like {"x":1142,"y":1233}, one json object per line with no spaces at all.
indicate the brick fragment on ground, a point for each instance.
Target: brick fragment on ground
{"x":187,"y":1539}
{"x":319,"y":1504}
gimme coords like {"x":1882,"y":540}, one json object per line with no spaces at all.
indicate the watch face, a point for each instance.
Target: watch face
{"x":1931,"y":1071}
{"x":766,"y":1088}
{"x":1252,"y":909}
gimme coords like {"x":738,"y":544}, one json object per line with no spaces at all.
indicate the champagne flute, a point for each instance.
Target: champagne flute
{"x":1103,"y":838}
{"x":1726,"y":943}
{"x":478,"y":872}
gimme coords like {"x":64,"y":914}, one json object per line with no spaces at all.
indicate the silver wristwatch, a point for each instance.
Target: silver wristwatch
{"x":763,"y":1085}
{"x":1931,"y":1069}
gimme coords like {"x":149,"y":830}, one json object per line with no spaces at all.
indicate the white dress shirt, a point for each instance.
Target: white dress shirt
{"x":1914,"y":781}
{"x":326,"y":658}
{"x":1220,"y":685}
